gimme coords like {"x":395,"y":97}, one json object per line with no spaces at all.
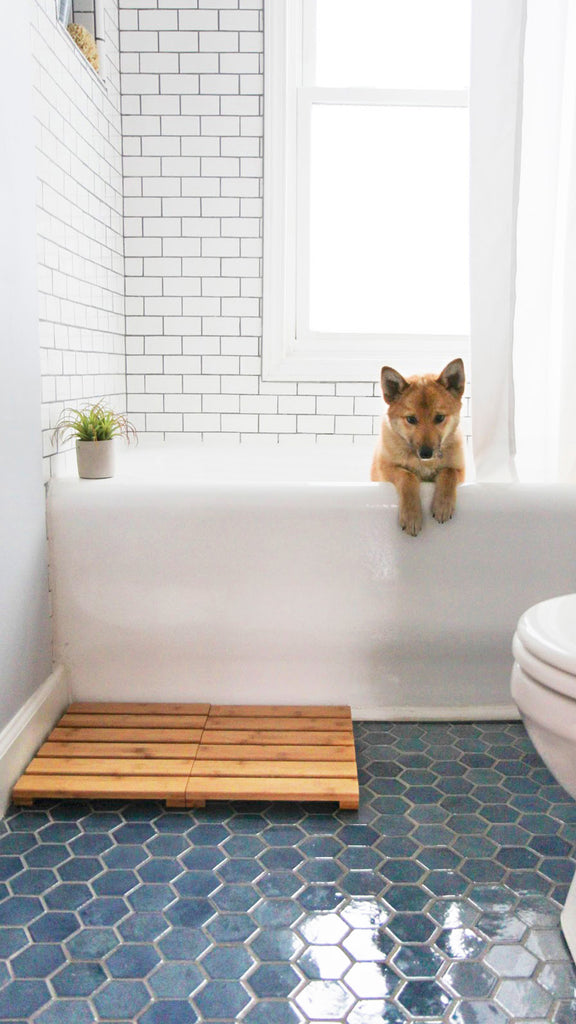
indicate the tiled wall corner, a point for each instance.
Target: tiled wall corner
{"x":192,"y":88}
{"x":150,"y":232}
{"x":80,"y":221}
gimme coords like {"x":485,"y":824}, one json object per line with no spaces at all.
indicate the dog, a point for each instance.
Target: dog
{"x":420,"y":440}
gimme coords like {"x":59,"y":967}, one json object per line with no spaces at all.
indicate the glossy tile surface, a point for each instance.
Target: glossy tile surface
{"x":438,"y":901}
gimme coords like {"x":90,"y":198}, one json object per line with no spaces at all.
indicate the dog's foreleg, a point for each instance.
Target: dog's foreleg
{"x":410,"y":506}
{"x":444,"y":500}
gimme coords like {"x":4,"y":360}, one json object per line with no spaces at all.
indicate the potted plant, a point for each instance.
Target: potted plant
{"x":95,"y":428}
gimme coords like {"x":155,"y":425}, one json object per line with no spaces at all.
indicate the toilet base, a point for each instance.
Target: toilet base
{"x":558,"y":754}
{"x":568,"y":919}
{"x":550,"y":721}
{"x":543,"y":685}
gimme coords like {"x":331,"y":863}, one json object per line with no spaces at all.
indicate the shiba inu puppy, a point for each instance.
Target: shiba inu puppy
{"x":420,"y":441}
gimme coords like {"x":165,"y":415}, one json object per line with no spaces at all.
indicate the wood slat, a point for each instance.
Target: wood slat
{"x":342,"y":791}
{"x":275,"y":769}
{"x":285,"y":738}
{"x":140,"y":721}
{"x":280,"y":710}
{"x":267,"y":752}
{"x":276,"y":724}
{"x":95,"y":787}
{"x":136,"y":708}
{"x":110,"y":766}
{"x":186,"y":754}
{"x":133,"y":750}
{"x":125,"y":735}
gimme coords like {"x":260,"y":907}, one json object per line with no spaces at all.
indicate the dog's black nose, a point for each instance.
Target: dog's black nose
{"x":425,"y":452}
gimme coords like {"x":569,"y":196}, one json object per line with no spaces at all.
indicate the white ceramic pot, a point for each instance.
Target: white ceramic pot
{"x":96,"y":459}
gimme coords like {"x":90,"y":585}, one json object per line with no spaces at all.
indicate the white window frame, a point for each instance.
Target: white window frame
{"x":290,"y":351}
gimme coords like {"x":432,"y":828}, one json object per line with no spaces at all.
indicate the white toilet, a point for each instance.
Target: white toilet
{"x":544,"y":688}
{"x":544,"y":683}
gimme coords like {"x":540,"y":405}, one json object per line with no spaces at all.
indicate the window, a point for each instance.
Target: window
{"x":366,"y":186}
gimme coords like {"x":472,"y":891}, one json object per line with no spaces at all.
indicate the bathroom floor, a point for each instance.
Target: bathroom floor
{"x":438,"y":901}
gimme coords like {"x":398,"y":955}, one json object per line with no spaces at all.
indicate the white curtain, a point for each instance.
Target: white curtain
{"x":495,"y":148}
{"x":545,"y":322}
{"x":523,"y":238}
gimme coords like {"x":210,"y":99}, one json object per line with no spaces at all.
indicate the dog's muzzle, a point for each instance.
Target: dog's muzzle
{"x":425,"y":452}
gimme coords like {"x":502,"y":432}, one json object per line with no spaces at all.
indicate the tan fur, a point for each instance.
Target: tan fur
{"x":401,"y":455}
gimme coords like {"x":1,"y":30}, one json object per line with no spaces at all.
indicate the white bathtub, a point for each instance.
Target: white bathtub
{"x":277,"y":576}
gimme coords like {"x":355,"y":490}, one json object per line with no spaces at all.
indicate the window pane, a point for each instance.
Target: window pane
{"x":393,"y":44}
{"x":389,"y":220}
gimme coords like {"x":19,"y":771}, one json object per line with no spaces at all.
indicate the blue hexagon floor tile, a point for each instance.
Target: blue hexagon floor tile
{"x":438,"y":901}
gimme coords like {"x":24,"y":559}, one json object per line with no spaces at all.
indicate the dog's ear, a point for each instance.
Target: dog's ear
{"x":393,"y":384}
{"x":452,"y":378}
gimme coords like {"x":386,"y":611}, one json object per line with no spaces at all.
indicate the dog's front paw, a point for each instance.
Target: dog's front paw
{"x":411,"y":519}
{"x":443,"y":507}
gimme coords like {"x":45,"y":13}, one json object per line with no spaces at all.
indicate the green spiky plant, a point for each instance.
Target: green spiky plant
{"x":93,"y":423}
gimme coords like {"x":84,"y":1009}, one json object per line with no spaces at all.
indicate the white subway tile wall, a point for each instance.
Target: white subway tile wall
{"x":80,"y":221}
{"x":192,"y":88}
{"x":150,"y":232}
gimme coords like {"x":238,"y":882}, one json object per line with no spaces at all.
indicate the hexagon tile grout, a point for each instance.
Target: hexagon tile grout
{"x":436,"y":902}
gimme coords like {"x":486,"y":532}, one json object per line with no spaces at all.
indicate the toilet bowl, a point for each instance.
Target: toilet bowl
{"x":543,"y":686}
{"x":544,"y":683}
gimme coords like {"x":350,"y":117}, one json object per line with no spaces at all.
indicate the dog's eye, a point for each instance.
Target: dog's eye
{"x":412,"y":420}
{"x":439,"y":417}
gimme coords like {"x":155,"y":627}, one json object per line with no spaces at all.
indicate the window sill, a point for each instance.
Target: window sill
{"x":341,"y":358}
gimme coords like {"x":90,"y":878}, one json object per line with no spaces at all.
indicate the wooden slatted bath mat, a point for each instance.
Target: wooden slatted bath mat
{"x":186,"y":754}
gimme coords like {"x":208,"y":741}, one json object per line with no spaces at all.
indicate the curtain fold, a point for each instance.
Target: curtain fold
{"x":545,"y":323}
{"x":498,"y":31}
{"x":523,"y":239}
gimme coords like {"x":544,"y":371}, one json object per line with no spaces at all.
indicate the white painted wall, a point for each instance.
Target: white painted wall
{"x":25,"y":655}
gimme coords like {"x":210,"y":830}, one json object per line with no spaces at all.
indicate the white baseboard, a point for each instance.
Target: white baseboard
{"x":451,"y":713}
{"x":26,"y":731}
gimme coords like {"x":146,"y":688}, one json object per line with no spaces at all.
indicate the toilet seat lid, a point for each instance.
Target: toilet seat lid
{"x":548,"y":631}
